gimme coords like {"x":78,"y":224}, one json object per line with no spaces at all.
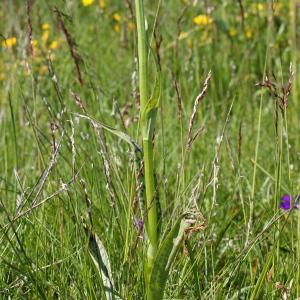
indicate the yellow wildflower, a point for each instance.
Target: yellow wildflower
{"x":203,"y":20}
{"x":9,"y":42}
{"x":258,"y":7}
{"x":248,"y":33}
{"x":53,"y":45}
{"x":2,"y":76}
{"x":45,"y":35}
{"x":117,"y":28}
{"x":102,"y":4}
{"x":45,"y":26}
{"x":232,"y":32}
{"x":87,"y":2}
{"x":116,"y":17}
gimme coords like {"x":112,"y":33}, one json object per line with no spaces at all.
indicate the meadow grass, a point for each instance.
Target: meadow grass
{"x":97,"y":202}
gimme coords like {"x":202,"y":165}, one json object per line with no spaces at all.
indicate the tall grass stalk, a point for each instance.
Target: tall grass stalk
{"x":151,"y":210}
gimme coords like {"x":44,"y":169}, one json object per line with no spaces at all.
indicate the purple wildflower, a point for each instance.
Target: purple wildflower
{"x":287,"y":201}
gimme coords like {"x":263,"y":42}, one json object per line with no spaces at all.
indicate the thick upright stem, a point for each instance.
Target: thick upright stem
{"x":151,"y":210}
{"x":150,"y":189}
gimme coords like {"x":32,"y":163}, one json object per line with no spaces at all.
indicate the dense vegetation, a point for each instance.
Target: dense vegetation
{"x":75,"y":220}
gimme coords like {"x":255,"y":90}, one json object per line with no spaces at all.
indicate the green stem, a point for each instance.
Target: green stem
{"x":149,"y":183}
{"x":151,"y":218}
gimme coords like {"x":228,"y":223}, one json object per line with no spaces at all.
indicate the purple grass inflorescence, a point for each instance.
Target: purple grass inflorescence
{"x":287,"y":202}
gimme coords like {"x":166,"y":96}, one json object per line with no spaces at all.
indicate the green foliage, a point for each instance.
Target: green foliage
{"x":262,"y":277}
{"x":101,"y":261}
{"x":165,"y":257}
{"x":148,"y":116}
{"x":57,"y":131}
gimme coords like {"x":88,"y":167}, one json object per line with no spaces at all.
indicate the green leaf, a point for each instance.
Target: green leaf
{"x":148,"y":116}
{"x":165,"y":257}
{"x":101,"y":260}
{"x":191,"y":221}
{"x":125,"y":137}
